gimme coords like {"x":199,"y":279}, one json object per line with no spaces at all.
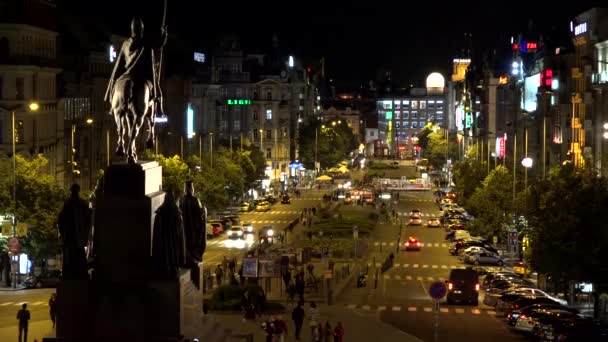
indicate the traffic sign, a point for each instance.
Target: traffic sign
{"x":14,"y":246}
{"x":437,"y":290}
{"x":22,"y":229}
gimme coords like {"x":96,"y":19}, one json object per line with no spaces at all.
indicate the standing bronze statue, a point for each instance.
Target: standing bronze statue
{"x":134,"y":88}
{"x":168,"y":252}
{"x":74,"y":223}
{"x":195,"y":219}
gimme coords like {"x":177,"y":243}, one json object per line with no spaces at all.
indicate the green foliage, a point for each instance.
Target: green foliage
{"x":569,"y":225}
{"x":468,"y":175}
{"x":492,"y":203}
{"x":332,"y":142}
{"x":39,"y":200}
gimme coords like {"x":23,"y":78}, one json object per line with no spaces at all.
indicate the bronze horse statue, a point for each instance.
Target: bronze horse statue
{"x":134,"y":92}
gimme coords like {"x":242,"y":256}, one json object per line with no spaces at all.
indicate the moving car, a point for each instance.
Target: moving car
{"x":45,"y":279}
{"x":415,"y":220}
{"x":433,"y":222}
{"x":262,"y":206}
{"x":415,"y":212}
{"x":270,"y":199}
{"x":463,"y":285}
{"x":235,"y":238}
{"x":412,"y":244}
{"x":267,"y":232}
{"x":245,"y":207}
{"x":285,"y":200}
{"x":249,"y":233}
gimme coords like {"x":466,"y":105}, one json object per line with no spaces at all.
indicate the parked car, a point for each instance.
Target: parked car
{"x":218,"y":225}
{"x":528,"y":323}
{"x":270,"y":199}
{"x":575,"y":328}
{"x":213,"y":230}
{"x":415,"y":212}
{"x":245,"y":207}
{"x":262,"y":206}
{"x":527,"y":304}
{"x":463,"y":285}
{"x":45,"y":279}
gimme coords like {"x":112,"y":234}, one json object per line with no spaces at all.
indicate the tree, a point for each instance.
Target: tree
{"x":492,"y":203}
{"x":333,"y":143}
{"x":468,"y":175}
{"x":175,"y":172}
{"x":39,"y":200}
{"x":423,"y":136}
{"x":569,"y":225}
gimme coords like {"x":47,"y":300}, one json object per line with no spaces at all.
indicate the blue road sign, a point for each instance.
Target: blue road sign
{"x":437,"y":290}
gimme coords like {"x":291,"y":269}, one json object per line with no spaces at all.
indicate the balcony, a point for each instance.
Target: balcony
{"x":600,"y":78}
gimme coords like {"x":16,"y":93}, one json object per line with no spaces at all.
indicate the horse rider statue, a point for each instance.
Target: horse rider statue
{"x":134,"y":88}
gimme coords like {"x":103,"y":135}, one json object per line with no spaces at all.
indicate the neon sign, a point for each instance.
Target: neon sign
{"x":112,"y":54}
{"x":580,"y":29}
{"x":238,"y":102}
{"x":199,"y":57}
{"x":190,"y":121}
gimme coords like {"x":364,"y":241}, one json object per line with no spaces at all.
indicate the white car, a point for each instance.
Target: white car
{"x":492,"y":299}
{"x":473,"y":250}
{"x":526,"y":323}
{"x":483,"y":258}
{"x":235,"y":238}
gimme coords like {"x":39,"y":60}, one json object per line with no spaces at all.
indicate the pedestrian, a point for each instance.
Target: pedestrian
{"x":241,"y":278}
{"x":313,"y":319}
{"x":248,"y":310}
{"x":280,"y":329}
{"x":232,"y":265}
{"x":297,"y":315}
{"x":268,"y":327}
{"x":286,"y":277}
{"x":291,"y":292}
{"x":338,"y":332}
{"x":260,"y":300}
{"x":328,"y":332}
{"x":23,"y":316}
{"x":53,"y":308}
{"x":225,"y":265}
{"x":317,"y":335}
{"x":219,"y":275}
{"x":300,"y":285}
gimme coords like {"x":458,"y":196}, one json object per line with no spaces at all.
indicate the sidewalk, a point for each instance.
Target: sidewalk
{"x":37,"y":330}
{"x":358,"y":328}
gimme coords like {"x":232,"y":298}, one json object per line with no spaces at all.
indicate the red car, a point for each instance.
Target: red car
{"x":412,"y":244}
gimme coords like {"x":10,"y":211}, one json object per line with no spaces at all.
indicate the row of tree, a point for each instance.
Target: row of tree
{"x":40,"y":197}
{"x":563,"y":216}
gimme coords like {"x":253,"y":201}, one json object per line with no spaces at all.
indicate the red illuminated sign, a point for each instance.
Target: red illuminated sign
{"x":546,"y":78}
{"x":531,"y":46}
{"x":515,"y":46}
{"x":417,"y":148}
{"x":401,"y":148}
{"x":501,"y":147}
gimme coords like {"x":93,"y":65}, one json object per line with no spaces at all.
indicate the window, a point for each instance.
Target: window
{"x":239,"y":93}
{"x":269,"y":96}
{"x":422,"y":115}
{"x":237,"y":125}
{"x":406,"y":115}
{"x":19,"y":88}
{"x":397,"y":124}
{"x":223,"y":92}
{"x":268,"y":153}
{"x":256,"y":135}
{"x":414,"y":115}
{"x":422,"y":124}
{"x":397,"y":115}
{"x":255,"y":115}
{"x":19,"y":132}
{"x":414,"y":104}
{"x":371,"y":133}
{"x":223,"y":125}
{"x":406,"y":104}
{"x":422,"y":104}
{"x":268,"y":134}
{"x":406,"y":124}
{"x":397,"y":104}
{"x":284,"y":132}
{"x":414,"y":124}
{"x":268,"y":114}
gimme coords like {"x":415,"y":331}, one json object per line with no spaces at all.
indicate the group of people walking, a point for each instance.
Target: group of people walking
{"x":319,"y":332}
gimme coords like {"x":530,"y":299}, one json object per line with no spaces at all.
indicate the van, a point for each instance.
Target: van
{"x":463,"y":286}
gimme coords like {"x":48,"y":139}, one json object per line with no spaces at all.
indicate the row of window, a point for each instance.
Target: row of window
{"x":414,"y":104}
{"x":19,"y":132}
{"x":417,"y":115}
{"x":414,"y":124}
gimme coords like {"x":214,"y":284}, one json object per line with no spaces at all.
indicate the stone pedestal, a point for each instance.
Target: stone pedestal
{"x":122,"y":301}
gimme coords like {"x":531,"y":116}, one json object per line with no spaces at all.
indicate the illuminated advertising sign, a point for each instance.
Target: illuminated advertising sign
{"x":111,"y":54}
{"x":459,"y":117}
{"x":468,"y":120}
{"x":190,"y":121}
{"x":199,"y":57}
{"x":500,"y":146}
{"x":580,"y":29}
{"x":238,"y":102}
{"x":531,"y":85}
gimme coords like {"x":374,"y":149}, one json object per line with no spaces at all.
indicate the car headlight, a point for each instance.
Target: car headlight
{"x":250,"y":229}
{"x":239,"y":233}
{"x":270,"y":232}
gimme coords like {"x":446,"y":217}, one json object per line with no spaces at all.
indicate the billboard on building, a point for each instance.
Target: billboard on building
{"x":529,"y":100}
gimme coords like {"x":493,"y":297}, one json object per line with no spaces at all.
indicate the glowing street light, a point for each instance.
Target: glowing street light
{"x":527,"y":162}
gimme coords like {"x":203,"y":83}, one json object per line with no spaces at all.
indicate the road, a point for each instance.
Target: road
{"x":279,"y":216}
{"x":401,"y":298}
{"x":37,"y":303}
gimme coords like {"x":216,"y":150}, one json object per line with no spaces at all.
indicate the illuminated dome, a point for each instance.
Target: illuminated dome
{"x":435,"y":80}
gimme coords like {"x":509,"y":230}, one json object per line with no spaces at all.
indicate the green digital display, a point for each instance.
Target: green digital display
{"x":238,"y":102}
{"x":468,"y":120}
{"x":389,"y":116}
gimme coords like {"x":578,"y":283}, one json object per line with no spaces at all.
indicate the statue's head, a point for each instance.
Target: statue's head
{"x":189,"y":188}
{"x":75,"y":190}
{"x":137,"y":27}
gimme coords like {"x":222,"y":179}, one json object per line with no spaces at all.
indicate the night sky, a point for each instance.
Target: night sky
{"x":411,"y":38}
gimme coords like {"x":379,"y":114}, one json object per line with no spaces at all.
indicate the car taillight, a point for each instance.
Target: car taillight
{"x":523,"y":317}
{"x":509,"y":316}
{"x":418,"y":244}
{"x":450,"y":285}
{"x":411,"y":220}
{"x":477,"y":287}
{"x":407,"y":243}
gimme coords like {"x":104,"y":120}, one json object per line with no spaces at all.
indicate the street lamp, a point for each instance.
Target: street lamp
{"x":211,"y":150}
{"x":527,"y":163}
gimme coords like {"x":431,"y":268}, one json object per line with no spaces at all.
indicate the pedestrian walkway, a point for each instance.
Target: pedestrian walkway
{"x":36,"y":331}
{"x":306,"y":198}
{"x":422,"y":308}
{"x":18,"y":304}
{"x":357,"y":328}
{"x":405,"y":199}
{"x":272,"y":212}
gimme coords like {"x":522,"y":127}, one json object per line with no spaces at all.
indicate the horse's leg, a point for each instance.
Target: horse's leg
{"x":151,"y":134}
{"x":136,"y":123}
{"x":118,"y":119}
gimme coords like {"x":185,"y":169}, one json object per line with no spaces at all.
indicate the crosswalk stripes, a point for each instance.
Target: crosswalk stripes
{"x":7,"y":303}
{"x":411,"y":277}
{"x":428,"y":309}
{"x":406,"y":213}
{"x":415,"y":265}
{"x":422,"y":244}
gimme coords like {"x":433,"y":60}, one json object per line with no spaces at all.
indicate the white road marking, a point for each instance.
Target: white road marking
{"x":396,"y":308}
{"x":397,"y":265}
{"x":435,"y":266}
{"x":415,"y":265}
{"x":475,"y":311}
{"x":412,"y":308}
{"x":418,"y":278}
{"x":386,"y":276}
{"x":444,"y":245}
{"x":436,"y":244}
{"x":366,"y":307}
{"x":381,"y":308}
{"x":428,"y":309}
{"x":408,"y":277}
{"x":444,"y":266}
{"x":7,"y":303}
{"x":430,"y":278}
{"x":39,"y":303}
{"x":459,"y":310}
{"x":491,"y":312}
{"x":351,"y":306}
{"x":397,"y":277}
{"x":391,"y":244}
{"x":444,"y":310}
{"x":425,"y":266}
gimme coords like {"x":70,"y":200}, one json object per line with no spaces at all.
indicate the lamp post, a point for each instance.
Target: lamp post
{"x":211,"y":149}
{"x":89,"y":122}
